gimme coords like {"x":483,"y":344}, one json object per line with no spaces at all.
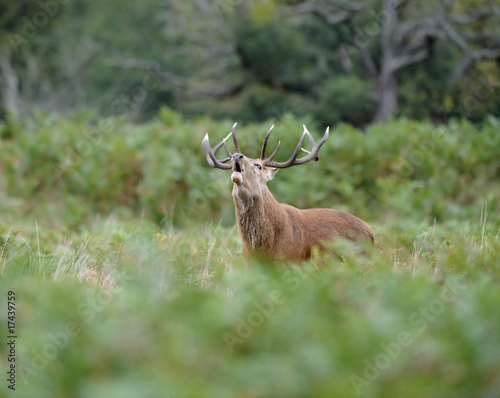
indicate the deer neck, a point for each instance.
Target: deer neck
{"x":257,"y":216}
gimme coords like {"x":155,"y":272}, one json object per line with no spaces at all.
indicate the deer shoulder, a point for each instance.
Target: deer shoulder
{"x":275,"y":230}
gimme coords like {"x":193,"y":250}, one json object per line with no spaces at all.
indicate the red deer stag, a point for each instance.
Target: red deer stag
{"x":273,"y":230}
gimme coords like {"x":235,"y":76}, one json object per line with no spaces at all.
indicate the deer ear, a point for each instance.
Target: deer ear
{"x":271,"y":172}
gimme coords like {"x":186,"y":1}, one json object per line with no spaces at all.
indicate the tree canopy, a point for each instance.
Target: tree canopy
{"x":355,"y":62}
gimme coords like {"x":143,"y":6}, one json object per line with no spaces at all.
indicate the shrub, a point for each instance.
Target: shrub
{"x":346,"y":98}
{"x":75,"y":167}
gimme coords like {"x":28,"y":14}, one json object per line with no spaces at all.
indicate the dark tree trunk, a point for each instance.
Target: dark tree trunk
{"x":387,"y":105}
{"x":9,"y":82}
{"x":386,"y":83}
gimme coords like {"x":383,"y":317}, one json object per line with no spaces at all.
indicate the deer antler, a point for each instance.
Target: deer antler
{"x":211,"y":152}
{"x":233,"y":132}
{"x":293,"y":161}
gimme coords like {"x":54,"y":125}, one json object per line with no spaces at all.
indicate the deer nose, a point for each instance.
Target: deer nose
{"x":237,"y":157}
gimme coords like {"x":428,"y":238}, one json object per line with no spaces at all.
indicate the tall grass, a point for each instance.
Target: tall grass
{"x":149,"y":295}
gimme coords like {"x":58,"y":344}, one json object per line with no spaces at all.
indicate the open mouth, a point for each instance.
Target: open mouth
{"x":237,"y":168}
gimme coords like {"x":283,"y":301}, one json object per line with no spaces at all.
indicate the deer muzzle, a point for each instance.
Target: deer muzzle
{"x":237,"y":175}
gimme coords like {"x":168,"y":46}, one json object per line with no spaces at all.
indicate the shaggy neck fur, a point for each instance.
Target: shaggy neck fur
{"x":273,"y":231}
{"x":255,"y":213}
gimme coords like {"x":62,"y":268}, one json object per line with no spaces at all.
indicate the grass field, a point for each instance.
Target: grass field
{"x":113,"y":303}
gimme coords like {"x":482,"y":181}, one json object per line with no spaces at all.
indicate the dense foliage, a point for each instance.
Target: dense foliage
{"x":252,"y":60}
{"x":119,"y":243}
{"x":75,"y":168}
{"x":123,"y":310}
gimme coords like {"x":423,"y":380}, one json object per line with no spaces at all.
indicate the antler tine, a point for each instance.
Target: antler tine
{"x":312,"y":154}
{"x":223,"y":142}
{"x":290,"y":161}
{"x":311,"y":139}
{"x":275,"y":152}
{"x":210,"y":154}
{"x":225,"y":146}
{"x":233,"y":132}
{"x":264,"y":145}
{"x":297,"y":150}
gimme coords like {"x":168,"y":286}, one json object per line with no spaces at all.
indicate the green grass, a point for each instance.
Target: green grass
{"x":130,"y":282}
{"x":126,"y":310}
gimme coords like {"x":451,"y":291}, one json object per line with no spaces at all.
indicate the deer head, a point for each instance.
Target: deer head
{"x":253,"y":174}
{"x":274,"y":230}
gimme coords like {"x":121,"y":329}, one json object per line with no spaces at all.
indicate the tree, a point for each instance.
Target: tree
{"x":404,"y":33}
{"x":475,"y":33}
{"x":19,"y":22}
{"x":338,"y":60}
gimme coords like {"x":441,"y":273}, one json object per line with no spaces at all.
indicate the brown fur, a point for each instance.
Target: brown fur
{"x":275,"y":230}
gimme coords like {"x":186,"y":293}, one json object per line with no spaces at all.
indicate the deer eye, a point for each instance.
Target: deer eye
{"x":258,"y":166}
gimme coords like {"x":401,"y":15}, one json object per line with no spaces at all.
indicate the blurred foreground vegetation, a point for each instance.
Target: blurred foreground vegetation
{"x":120,"y":244}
